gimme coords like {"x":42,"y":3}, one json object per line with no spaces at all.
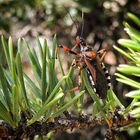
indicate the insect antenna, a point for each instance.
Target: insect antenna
{"x":75,"y":23}
{"x":82,"y":29}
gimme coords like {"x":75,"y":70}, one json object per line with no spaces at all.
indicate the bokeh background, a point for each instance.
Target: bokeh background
{"x":102,"y":27}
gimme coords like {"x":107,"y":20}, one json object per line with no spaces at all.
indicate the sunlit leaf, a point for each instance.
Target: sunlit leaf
{"x":134,"y":94}
{"x":129,"y":44}
{"x":127,"y":69}
{"x":67,"y":105}
{"x":134,"y":18}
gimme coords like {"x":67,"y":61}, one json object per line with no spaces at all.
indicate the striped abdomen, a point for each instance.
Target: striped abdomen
{"x":100,"y":79}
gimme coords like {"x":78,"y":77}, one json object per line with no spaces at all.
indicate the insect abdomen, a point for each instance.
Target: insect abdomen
{"x":101,"y":83}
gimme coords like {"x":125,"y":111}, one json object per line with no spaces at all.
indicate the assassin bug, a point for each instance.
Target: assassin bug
{"x":91,"y":60}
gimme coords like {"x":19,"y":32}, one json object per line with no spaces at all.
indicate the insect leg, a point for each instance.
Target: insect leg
{"x":102,"y":53}
{"x":76,"y":62}
{"x":66,"y":49}
{"x":79,"y":80}
{"x":74,"y":47}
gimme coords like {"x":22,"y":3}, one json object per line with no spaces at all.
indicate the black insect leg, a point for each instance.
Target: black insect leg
{"x":66,"y":49}
{"x":102,"y":54}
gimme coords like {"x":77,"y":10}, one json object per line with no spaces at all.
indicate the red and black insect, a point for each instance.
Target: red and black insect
{"x":92,"y":61}
{"x":88,"y":58}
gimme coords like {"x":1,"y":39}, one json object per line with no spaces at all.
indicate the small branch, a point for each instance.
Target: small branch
{"x":64,"y":123}
{"x":42,"y":128}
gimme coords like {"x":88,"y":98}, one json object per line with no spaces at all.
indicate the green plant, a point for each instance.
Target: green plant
{"x":33,"y":108}
{"x":39,"y":108}
{"x":129,"y":74}
{"x":23,"y":99}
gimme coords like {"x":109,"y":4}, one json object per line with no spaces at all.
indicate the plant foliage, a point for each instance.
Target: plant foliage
{"x":35,"y":106}
{"x":129,"y":74}
{"x":24,"y":101}
{"x":19,"y":94}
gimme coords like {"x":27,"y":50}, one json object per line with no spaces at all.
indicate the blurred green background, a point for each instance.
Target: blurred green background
{"x":103,"y":25}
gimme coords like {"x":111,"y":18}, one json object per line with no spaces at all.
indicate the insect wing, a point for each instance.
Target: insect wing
{"x":97,"y":75}
{"x":101,"y":80}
